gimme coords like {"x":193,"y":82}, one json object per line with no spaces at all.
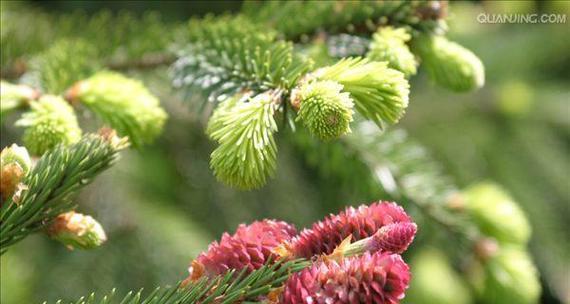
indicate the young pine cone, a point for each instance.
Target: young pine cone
{"x":378,"y":278}
{"x":250,"y":247}
{"x":359,"y":223}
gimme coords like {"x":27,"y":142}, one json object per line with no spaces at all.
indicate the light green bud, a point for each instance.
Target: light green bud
{"x":324,"y":108}
{"x":435,"y":281}
{"x":16,"y":155}
{"x":247,"y":153}
{"x":449,"y":64}
{"x":13,"y":96}
{"x":508,"y":277}
{"x":15,"y":164}
{"x":50,"y":122}
{"x":123,"y":103}
{"x":389,"y":44}
{"x":76,"y":230}
{"x":379,"y":93}
{"x":496,"y":214}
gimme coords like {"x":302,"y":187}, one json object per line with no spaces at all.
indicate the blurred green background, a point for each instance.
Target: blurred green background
{"x":161,"y":205}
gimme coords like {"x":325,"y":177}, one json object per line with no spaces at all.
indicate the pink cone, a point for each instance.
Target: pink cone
{"x":250,"y":247}
{"x":360,"y":223}
{"x":378,"y":278}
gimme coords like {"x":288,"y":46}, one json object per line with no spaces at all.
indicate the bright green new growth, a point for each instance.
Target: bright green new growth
{"x":508,"y":277}
{"x":324,"y":109}
{"x":223,"y":109}
{"x":13,"y":96}
{"x":15,"y":163}
{"x":449,"y":64}
{"x":50,"y":122}
{"x":435,"y":281}
{"x":123,"y":103}
{"x":16,"y":155}
{"x":389,"y":44}
{"x":497,"y":214}
{"x":246,"y":156}
{"x":379,"y":93}
{"x":57,"y":175}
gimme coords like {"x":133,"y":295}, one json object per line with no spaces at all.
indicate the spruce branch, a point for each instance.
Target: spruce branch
{"x":120,"y":40}
{"x":50,"y":185}
{"x":314,"y":16}
{"x":227,"y":55}
{"x":346,"y":45}
{"x":389,"y":163}
{"x":62,"y":64}
{"x":231,"y":287}
{"x":405,"y":170}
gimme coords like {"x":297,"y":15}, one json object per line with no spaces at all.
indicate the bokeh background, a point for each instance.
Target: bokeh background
{"x":161,"y":205}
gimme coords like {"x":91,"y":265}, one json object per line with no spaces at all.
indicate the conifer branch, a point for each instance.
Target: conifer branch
{"x":118,"y":40}
{"x":50,"y":185}
{"x":147,"y":61}
{"x":232,"y":287}
{"x":62,"y":64}
{"x":391,"y":163}
{"x":314,"y":16}
{"x":228,"y":55}
{"x":405,"y":170}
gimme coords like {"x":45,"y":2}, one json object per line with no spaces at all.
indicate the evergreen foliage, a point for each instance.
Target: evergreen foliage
{"x":62,"y":64}
{"x":247,"y":153}
{"x":389,"y":44}
{"x":116,"y":38}
{"x":232,"y":54}
{"x":449,"y":64}
{"x":257,"y":72}
{"x":497,"y":213}
{"x":232,"y":287}
{"x":50,"y":122}
{"x":380,"y":93}
{"x":324,"y":108}
{"x":50,"y":185}
{"x":14,"y":97}
{"x":350,"y":16}
{"x":124,"y":104}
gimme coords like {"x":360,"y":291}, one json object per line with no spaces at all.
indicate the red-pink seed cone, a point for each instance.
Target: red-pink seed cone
{"x":250,"y":247}
{"x":378,"y":278}
{"x":360,"y":223}
{"x":394,"y":238}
